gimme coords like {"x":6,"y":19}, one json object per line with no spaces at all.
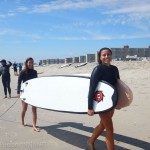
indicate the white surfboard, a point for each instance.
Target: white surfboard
{"x":67,"y":94}
{"x":80,"y":65}
{"x":65,"y":65}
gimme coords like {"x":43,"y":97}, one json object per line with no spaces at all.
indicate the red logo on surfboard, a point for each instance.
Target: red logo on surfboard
{"x":99,"y":96}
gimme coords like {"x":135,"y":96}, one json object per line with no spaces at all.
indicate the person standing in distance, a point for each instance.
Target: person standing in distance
{"x":19,"y":68}
{"x":4,"y":71}
{"x":109,"y":73}
{"x":15,"y":68}
{"x":26,"y":74}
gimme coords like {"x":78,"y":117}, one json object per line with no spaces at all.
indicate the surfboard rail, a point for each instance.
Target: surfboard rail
{"x":79,"y":92}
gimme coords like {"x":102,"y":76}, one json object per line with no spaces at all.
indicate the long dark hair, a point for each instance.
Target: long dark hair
{"x":26,"y":66}
{"x":100,"y":51}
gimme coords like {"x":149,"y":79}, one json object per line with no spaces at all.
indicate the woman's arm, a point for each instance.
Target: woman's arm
{"x":118,"y":75}
{"x":20,"y":79}
{"x":95,"y":78}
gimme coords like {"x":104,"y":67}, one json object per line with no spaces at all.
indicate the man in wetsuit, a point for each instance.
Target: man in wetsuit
{"x":4,"y":71}
{"x":15,"y":68}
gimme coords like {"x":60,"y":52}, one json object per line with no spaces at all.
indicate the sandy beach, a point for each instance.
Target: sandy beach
{"x":64,"y":131}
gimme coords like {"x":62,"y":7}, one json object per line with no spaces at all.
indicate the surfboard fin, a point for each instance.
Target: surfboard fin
{"x":26,"y":83}
{"x":22,"y":91}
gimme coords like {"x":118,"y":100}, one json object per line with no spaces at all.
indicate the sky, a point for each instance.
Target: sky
{"x":49,"y":29}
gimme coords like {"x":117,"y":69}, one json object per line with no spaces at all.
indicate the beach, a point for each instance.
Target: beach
{"x":66,"y":131}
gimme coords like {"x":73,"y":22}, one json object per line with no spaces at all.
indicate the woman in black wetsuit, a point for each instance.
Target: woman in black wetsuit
{"x":109,"y":73}
{"x":4,"y":71}
{"x":26,"y":74}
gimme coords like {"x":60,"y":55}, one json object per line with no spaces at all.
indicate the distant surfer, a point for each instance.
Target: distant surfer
{"x":26,"y":74}
{"x":109,"y":73}
{"x":19,"y":68}
{"x":4,"y":71}
{"x":15,"y":68}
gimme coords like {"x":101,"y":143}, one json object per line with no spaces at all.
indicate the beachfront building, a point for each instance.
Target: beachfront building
{"x":43,"y":62}
{"x":75,"y":59}
{"x":68,"y":60}
{"x":82,"y":59}
{"x":61,"y":61}
{"x":90,"y":58}
{"x":122,"y":53}
{"x":125,"y":53}
{"x":51,"y":61}
{"x":96,"y":57}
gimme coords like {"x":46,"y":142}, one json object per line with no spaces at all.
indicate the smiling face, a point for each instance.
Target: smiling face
{"x":106,"y":56}
{"x":30,"y":64}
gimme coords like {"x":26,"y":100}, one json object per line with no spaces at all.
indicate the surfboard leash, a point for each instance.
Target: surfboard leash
{"x":9,"y":108}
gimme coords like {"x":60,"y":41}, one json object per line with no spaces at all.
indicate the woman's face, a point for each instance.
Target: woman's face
{"x":30,"y":64}
{"x":106,"y":57}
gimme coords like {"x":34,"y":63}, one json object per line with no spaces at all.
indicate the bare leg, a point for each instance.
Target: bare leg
{"x":24,"y":109}
{"x":96,"y":133}
{"x":34,"y":118}
{"x":106,"y":118}
{"x":99,"y":129}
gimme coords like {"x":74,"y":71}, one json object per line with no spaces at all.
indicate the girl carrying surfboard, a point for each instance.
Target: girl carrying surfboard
{"x":26,"y":74}
{"x":109,"y":73}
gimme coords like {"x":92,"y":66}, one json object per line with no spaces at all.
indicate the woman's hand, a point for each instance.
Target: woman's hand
{"x":40,"y":72}
{"x":90,"y":112}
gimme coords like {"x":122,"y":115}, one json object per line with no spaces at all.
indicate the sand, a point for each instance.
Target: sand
{"x":64,"y":131}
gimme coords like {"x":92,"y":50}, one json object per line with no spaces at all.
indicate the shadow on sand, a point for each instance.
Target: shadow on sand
{"x":80,"y":141}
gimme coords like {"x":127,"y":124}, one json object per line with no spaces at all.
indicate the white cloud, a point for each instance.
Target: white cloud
{"x":103,"y":37}
{"x":68,"y":38}
{"x":141,"y":8}
{"x":22,"y":9}
{"x":69,"y":4}
{"x":140,"y":36}
{"x":7,"y":31}
{"x":20,"y":34}
{"x":108,"y":6}
{"x":2,"y":16}
{"x":11,"y":13}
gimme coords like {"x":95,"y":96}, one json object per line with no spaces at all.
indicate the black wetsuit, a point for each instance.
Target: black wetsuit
{"x":101,"y":72}
{"x":24,"y":76}
{"x":15,"y":67}
{"x":6,"y":77}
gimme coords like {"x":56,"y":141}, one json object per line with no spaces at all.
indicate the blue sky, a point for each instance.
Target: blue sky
{"x":46,"y":29}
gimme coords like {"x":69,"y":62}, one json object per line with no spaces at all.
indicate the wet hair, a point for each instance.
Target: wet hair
{"x":100,"y":51}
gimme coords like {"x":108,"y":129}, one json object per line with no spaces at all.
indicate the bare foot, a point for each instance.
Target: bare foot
{"x":90,"y":145}
{"x":9,"y":96}
{"x":23,"y":125}
{"x":5,"y":96}
{"x":36,"y":129}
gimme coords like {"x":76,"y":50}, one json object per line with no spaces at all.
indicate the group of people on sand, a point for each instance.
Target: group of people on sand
{"x":5,"y":73}
{"x":26,"y":74}
{"x":103,"y":71}
{"x":17,"y":68}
